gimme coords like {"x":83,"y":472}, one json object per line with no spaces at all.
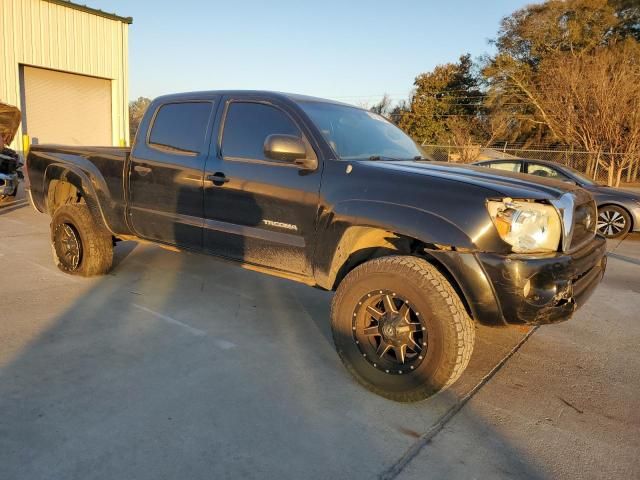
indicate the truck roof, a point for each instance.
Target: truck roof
{"x":295,"y":97}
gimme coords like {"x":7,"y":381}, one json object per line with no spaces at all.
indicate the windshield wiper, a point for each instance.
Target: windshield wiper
{"x":382,"y":157}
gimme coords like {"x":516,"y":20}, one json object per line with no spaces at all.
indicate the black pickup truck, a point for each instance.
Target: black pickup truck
{"x":338,"y":198}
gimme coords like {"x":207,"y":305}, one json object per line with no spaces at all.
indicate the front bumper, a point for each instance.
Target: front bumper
{"x":8,"y":183}
{"x":546,"y":289}
{"x":527,"y":289}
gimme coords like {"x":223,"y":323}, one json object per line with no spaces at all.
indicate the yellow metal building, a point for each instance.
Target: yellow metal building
{"x":66,"y":67}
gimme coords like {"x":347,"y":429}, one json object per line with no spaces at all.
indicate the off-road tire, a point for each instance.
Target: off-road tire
{"x":450,"y":330}
{"x":96,"y":241}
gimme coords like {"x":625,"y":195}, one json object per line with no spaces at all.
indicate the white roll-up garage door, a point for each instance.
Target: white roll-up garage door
{"x":66,"y":108}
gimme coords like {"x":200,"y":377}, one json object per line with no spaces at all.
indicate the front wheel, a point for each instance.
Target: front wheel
{"x":80,"y":245}
{"x":401,"y":329}
{"x":613,"y":221}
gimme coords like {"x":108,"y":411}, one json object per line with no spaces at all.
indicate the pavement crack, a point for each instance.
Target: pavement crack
{"x":394,"y":470}
{"x":623,"y":258}
{"x":569,"y":404}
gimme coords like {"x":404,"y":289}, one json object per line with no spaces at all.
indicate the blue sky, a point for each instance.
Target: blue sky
{"x":349,"y":50}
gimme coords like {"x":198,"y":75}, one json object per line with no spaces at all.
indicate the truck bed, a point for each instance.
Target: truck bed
{"x":105,"y":166}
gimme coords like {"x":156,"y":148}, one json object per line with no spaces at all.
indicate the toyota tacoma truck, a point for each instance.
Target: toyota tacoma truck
{"x":338,"y":198}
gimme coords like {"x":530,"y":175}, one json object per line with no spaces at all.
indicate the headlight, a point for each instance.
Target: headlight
{"x":527,"y":226}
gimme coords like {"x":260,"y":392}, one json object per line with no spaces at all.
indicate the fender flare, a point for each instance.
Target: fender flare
{"x":344,"y":228}
{"x":79,"y":179}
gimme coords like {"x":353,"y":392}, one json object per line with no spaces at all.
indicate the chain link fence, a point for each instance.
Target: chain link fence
{"x":601,"y":167}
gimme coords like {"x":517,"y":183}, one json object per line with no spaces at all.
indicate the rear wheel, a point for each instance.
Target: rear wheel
{"x":80,"y":245}
{"x":613,"y":221}
{"x":401,"y":329}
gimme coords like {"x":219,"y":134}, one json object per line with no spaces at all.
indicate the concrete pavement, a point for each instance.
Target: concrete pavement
{"x":178,"y":365}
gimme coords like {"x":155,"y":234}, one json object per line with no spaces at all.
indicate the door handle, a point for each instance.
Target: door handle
{"x":141,"y":169}
{"x":218,"y":178}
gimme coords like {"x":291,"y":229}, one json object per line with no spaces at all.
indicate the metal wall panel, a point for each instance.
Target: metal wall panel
{"x":43,"y":34}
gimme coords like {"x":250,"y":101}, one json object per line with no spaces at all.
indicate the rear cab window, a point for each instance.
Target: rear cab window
{"x":180,"y":128}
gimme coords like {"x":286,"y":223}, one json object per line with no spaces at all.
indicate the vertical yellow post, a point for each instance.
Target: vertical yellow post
{"x":26,"y":143}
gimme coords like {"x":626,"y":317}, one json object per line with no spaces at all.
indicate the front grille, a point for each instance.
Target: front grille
{"x":584,"y":223}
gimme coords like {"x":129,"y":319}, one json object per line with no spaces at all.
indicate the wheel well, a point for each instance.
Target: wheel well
{"x":386,"y":244}
{"x":61,"y":193}
{"x":631,"y":226}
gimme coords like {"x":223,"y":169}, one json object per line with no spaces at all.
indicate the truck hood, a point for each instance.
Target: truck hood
{"x":514,"y":185}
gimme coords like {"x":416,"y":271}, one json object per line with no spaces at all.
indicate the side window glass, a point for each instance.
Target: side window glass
{"x":507,"y":166}
{"x":181,"y":127}
{"x":544,"y":171}
{"x":247,"y":125}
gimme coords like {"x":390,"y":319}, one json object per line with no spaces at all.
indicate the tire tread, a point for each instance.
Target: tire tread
{"x":460,"y":330}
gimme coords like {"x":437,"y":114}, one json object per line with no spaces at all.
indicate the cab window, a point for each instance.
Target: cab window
{"x":248,"y":124}
{"x":506,"y":166}
{"x":181,"y":127}
{"x":545,"y":171}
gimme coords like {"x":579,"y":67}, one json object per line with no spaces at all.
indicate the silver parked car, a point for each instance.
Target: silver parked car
{"x":618,"y":209}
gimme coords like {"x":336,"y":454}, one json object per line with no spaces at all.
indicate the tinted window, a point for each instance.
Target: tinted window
{"x":181,"y":127}
{"x":507,"y":166}
{"x":544,"y":171}
{"x":247,"y":125}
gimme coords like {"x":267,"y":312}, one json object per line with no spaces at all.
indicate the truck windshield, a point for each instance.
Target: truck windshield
{"x":356,"y":134}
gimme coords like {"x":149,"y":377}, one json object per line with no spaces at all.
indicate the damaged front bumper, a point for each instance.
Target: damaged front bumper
{"x":545,"y":289}
{"x":526,"y":289}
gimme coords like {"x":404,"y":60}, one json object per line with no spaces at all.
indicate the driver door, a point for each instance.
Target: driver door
{"x":259,"y":211}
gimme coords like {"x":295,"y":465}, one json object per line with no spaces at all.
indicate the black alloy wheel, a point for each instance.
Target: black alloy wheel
{"x":68,"y":246}
{"x":389,"y":332}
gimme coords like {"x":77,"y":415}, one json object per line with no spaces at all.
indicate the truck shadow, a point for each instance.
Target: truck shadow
{"x":180,"y":364}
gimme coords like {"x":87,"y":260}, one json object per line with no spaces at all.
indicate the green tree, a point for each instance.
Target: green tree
{"x":445,"y":99}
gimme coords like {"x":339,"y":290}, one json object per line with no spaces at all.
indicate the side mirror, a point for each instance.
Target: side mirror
{"x":288,"y":148}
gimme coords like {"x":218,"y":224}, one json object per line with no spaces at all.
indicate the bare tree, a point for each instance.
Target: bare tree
{"x":383,"y":107}
{"x":136,"y":112}
{"x":594,"y":101}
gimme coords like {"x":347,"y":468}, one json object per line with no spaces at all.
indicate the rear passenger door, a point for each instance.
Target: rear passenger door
{"x":166,"y":174}
{"x":259,"y":211}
